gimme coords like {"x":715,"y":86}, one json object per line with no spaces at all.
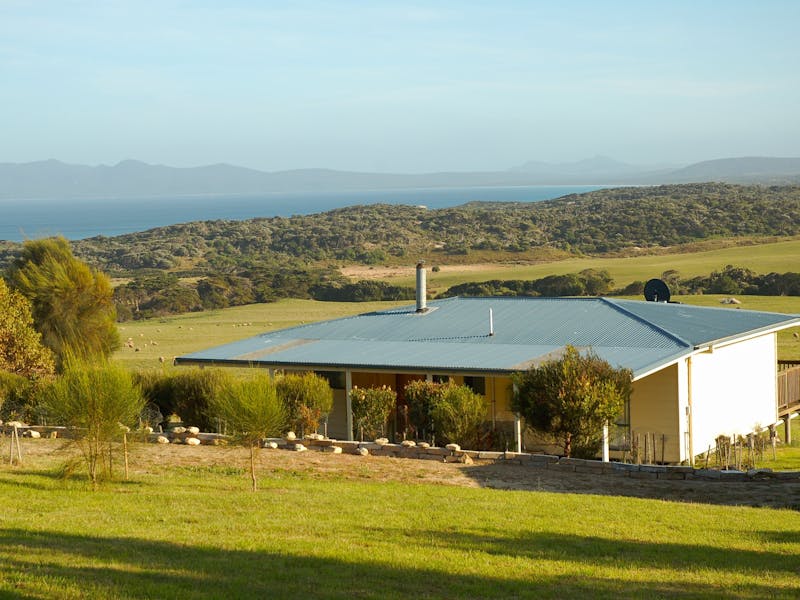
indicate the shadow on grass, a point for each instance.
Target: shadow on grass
{"x":634,"y":554}
{"x":37,"y":563}
{"x":769,"y":493}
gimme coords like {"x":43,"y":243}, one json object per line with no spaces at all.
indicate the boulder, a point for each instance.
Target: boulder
{"x":271,"y":445}
{"x":193,"y":430}
{"x":192,"y":441}
{"x":291,"y":436}
{"x":162,"y":439}
{"x":362,"y":452}
{"x":453,"y":447}
{"x":408,"y":443}
{"x":32,"y":434}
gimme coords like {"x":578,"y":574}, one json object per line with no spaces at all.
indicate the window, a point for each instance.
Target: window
{"x":336,"y":379}
{"x":476,"y":384}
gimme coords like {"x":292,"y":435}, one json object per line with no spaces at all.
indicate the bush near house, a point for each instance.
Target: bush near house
{"x":572,"y":398}
{"x":444,"y":412}
{"x":307,"y":399}
{"x":371,"y":409}
{"x":187,"y":393}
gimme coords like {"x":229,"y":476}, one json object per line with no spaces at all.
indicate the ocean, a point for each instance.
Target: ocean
{"x":82,"y":218}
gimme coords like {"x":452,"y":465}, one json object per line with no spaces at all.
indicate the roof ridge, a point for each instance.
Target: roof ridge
{"x":616,"y":306}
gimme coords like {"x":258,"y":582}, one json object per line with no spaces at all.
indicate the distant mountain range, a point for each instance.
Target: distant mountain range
{"x":131,"y":179}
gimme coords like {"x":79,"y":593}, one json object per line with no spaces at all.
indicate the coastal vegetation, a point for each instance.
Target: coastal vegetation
{"x":214,"y":264}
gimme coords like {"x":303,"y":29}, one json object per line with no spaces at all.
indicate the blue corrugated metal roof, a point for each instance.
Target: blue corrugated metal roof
{"x":454,"y":335}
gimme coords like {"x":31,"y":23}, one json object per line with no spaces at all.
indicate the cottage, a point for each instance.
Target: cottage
{"x":698,"y":372}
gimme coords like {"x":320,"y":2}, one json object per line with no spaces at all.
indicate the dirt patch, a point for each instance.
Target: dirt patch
{"x":157,"y":458}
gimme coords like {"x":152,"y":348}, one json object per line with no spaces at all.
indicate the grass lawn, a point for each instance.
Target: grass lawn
{"x":196,"y":531}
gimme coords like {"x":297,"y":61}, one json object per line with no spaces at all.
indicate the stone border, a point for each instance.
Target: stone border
{"x":454,"y":454}
{"x":541,"y":461}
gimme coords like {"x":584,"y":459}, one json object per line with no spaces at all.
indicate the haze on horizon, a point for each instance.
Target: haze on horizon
{"x":397,"y":87}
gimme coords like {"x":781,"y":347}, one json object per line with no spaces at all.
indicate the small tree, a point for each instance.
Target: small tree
{"x":572,"y":398}
{"x":307,"y":399}
{"x":371,"y":409}
{"x":253,"y":412}
{"x":94,"y":401}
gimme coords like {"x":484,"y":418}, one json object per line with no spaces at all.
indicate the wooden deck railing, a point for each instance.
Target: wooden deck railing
{"x":788,"y":388}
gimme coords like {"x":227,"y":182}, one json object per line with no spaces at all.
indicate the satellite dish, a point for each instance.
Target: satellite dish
{"x":656,"y":290}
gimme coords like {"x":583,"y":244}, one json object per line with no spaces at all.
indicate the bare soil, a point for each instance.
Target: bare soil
{"x":155,"y":458}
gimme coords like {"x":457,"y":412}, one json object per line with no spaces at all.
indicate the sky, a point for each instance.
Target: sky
{"x":397,"y":86}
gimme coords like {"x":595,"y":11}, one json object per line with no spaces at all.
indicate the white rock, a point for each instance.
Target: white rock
{"x":408,"y":443}
{"x":178,"y":430}
{"x":314,"y":436}
{"x":362,"y":452}
{"x":423,"y":445}
{"x":291,"y":436}
{"x":335,"y":449}
{"x":148,"y":430}
{"x":453,"y":447}
{"x":382,"y":441}
{"x":162,"y":440}
{"x":15,"y":424}
{"x":192,"y":441}
{"x":32,"y":434}
{"x":271,"y":445}
{"x":300,"y":448}
{"x":193,"y":430}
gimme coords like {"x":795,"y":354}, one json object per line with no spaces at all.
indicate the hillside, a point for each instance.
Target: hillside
{"x":614,"y":221}
{"x":623,"y":220}
{"x":214,"y":264}
{"x":135,"y":179}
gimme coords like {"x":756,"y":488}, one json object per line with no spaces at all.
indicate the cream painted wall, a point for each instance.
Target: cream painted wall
{"x":654,"y":409}
{"x":733,"y":390}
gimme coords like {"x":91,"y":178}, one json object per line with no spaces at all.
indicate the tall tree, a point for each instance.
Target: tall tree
{"x":21,"y":349}
{"x":572,"y":398}
{"x":72,"y":304}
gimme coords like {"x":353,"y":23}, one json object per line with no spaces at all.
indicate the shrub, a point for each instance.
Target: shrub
{"x":444,"y":412}
{"x":94,"y":401}
{"x":307,"y":399}
{"x":572,"y":398}
{"x":187,"y":393}
{"x":420,"y":396}
{"x":457,"y":415}
{"x":19,"y":398}
{"x":371,"y":409}
{"x":252,"y":410}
